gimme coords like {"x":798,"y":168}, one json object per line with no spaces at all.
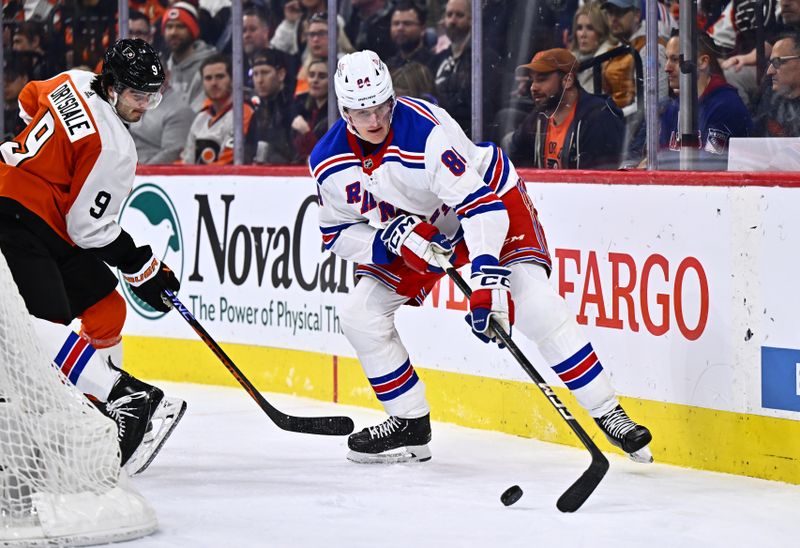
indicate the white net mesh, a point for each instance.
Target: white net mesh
{"x":60,"y":481}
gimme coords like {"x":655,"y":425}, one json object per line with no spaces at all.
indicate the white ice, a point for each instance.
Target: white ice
{"x":228,"y":477}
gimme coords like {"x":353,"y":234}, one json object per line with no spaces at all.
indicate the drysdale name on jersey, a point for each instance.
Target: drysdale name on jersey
{"x":70,"y":111}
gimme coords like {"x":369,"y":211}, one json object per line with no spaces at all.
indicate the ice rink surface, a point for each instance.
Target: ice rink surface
{"x":228,"y":477}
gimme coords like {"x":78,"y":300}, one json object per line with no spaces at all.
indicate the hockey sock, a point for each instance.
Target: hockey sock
{"x":368,"y":323}
{"x":544,"y":316}
{"x":76,"y":358}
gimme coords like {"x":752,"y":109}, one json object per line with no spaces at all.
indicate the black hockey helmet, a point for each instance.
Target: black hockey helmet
{"x":134,"y":64}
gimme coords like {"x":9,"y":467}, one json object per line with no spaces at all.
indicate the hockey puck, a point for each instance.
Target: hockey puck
{"x":511,"y":495}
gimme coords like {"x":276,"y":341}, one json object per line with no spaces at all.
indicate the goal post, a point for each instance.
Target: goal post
{"x":60,"y":479}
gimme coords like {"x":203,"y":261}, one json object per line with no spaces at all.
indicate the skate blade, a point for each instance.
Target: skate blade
{"x":163,"y":422}
{"x":643,"y":455}
{"x":411,"y":453}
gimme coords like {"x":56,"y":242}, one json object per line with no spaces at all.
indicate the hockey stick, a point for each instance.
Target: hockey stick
{"x":577,"y":493}
{"x":328,"y":426}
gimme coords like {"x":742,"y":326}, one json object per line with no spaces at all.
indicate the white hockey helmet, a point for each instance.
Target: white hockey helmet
{"x":362,"y":80}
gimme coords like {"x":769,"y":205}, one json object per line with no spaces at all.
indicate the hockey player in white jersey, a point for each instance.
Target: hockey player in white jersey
{"x":399,"y":183}
{"x":62,"y":182}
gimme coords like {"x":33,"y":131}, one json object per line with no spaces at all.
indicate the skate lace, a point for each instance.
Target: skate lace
{"x":385,"y":428}
{"x":120,"y":409}
{"x":617,"y":423}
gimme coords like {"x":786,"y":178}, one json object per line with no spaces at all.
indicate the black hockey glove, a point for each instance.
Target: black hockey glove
{"x":150,"y":280}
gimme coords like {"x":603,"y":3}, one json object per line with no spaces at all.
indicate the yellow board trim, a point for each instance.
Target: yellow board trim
{"x":693,"y":437}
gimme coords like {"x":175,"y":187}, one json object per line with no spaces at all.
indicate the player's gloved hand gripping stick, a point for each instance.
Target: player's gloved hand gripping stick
{"x":578,"y":492}
{"x":148,"y":279}
{"x":416,"y":242}
{"x":329,"y":426}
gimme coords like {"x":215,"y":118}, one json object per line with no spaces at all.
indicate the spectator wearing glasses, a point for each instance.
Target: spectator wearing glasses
{"x":778,"y":113}
{"x":721,"y":112}
{"x":408,"y":33}
{"x":317,"y":48}
{"x":290,"y":34}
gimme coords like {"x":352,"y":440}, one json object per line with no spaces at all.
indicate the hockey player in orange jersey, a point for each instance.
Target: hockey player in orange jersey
{"x":62,"y":183}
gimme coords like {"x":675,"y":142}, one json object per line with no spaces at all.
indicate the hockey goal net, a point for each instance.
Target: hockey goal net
{"x":60,"y":480}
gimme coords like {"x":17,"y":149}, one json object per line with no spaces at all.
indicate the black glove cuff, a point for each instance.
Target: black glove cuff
{"x":124,"y":254}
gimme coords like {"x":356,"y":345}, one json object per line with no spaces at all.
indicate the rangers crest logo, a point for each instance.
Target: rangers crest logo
{"x":717,"y":141}
{"x":368,"y":163}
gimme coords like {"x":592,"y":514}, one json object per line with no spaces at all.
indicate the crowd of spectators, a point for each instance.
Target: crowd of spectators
{"x":543,"y":100}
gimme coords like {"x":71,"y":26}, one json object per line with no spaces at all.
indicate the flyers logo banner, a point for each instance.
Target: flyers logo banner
{"x":151,"y":218}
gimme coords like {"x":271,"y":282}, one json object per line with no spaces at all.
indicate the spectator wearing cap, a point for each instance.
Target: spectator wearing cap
{"x":210,"y":139}
{"x":569,"y":128}
{"x":627,"y":27}
{"x":187,"y":51}
{"x":272,"y":103}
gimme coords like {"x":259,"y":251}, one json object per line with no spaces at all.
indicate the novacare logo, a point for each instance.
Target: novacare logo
{"x":151,"y":219}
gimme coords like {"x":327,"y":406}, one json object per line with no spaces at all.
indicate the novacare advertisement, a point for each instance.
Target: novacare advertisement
{"x":678,"y":288}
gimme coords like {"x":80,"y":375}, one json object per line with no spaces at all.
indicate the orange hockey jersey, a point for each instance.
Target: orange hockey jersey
{"x":74,"y":163}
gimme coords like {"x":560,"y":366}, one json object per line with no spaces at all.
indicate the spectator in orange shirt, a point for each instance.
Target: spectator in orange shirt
{"x":569,"y":128}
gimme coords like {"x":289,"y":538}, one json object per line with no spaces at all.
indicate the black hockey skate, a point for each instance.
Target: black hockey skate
{"x":131,"y":404}
{"x":622,"y":432}
{"x":394,"y":440}
{"x":144,"y":417}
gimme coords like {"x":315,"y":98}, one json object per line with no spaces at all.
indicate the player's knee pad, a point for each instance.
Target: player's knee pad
{"x":368,"y":316}
{"x":540,"y":311}
{"x":101,"y":323}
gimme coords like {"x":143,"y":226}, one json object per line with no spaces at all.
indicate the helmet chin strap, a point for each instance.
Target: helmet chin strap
{"x":113,"y":97}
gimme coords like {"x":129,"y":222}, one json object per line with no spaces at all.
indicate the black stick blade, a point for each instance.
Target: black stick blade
{"x":325,"y":426}
{"x":574,"y":497}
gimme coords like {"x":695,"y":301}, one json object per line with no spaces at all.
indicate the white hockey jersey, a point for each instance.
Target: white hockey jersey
{"x":428,"y":167}
{"x":74,"y":163}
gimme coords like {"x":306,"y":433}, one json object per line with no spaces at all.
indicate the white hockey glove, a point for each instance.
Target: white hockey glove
{"x":417,"y":242}
{"x":491,"y":299}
